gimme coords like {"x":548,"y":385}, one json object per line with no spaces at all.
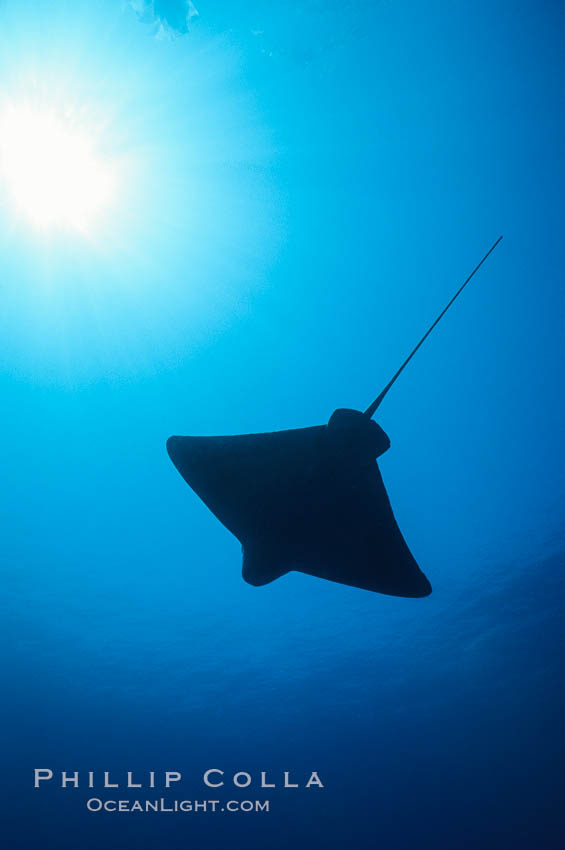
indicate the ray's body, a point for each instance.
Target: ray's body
{"x":310,"y":499}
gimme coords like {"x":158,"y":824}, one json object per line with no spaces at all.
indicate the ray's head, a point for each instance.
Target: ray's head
{"x":354,"y":429}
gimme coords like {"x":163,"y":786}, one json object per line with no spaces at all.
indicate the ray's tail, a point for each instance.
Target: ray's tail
{"x":376,"y":403}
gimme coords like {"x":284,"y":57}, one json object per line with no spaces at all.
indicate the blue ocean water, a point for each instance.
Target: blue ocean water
{"x":302,"y":187}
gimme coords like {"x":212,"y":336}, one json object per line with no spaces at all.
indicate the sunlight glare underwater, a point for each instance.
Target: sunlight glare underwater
{"x":51,"y":168}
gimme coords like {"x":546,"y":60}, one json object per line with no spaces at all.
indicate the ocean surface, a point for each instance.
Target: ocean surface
{"x":301,"y":187}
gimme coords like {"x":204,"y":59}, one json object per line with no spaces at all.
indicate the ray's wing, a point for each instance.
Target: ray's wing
{"x":248,"y":481}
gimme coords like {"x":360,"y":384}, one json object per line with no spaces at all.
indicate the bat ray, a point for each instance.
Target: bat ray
{"x":309,"y":499}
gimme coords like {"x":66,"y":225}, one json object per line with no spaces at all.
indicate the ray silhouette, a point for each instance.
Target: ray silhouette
{"x":309,"y":499}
